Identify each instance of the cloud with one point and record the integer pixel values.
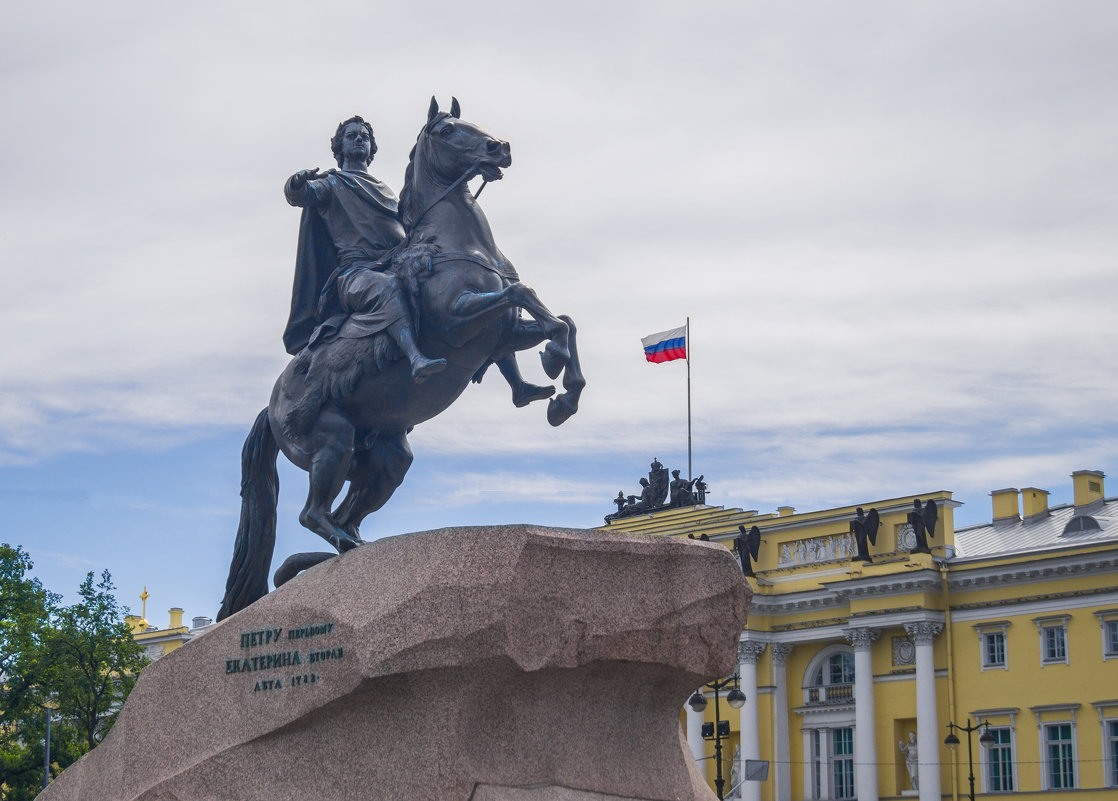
(501, 486)
(888, 220)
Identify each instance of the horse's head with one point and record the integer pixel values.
(448, 152)
(452, 147)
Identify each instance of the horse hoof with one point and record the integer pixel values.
(527, 393)
(554, 358)
(559, 410)
(346, 543)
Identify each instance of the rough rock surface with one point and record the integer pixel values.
(512, 663)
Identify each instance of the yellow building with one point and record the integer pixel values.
(158, 642)
(852, 671)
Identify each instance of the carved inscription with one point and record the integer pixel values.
(282, 649)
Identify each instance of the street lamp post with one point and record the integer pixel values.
(720, 728)
(952, 742)
(46, 751)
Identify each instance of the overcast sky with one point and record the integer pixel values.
(892, 224)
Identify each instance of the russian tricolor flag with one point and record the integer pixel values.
(666, 346)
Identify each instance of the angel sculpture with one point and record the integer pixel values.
(864, 527)
(748, 547)
(923, 522)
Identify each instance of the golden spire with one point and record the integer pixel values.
(144, 614)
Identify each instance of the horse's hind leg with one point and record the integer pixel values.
(376, 474)
(331, 447)
(523, 392)
(526, 334)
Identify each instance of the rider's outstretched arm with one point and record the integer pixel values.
(305, 188)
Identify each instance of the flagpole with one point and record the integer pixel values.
(688, 341)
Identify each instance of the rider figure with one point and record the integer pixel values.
(349, 224)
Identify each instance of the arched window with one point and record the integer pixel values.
(830, 677)
(838, 669)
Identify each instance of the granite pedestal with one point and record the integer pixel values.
(513, 663)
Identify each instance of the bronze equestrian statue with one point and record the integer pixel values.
(398, 306)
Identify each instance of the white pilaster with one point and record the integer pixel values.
(748, 726)
(809, 766)
(826, 741)
(865, 721)
(781, 771)
(927, 718)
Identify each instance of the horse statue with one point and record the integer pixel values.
(468, 302)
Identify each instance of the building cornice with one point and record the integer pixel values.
(892, 584)
(964, 577)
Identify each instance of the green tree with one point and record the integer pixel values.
(93, 660)
(80, 660)
(25, 612)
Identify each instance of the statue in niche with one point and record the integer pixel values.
(923, 522)
(911, 760)
(735, 773)
(864, 527)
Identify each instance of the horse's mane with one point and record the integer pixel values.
(408, 210)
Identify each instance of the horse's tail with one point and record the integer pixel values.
(256, 534)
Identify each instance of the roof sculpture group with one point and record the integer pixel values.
(864, 526)
(398, 304)
(658, 492)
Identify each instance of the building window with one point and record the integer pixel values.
(999, 761)
(1055, 644)
(1053, 639)
(840, 669)
(842, 762)
(992, 644)
(1112, 751)
(833, 680)
(1108, 620)
(993, 649)
(1060, 755)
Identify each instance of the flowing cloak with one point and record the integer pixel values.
(317, 256)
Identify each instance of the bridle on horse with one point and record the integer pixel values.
(470, 170)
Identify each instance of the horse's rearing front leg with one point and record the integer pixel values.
(473, 305)
(556, 353)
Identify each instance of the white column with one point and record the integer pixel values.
(927, 718)
(750, 734)
(865, 721)
(695, 736)
(781, 771)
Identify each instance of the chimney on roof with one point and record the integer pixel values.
(1035, 502)
(1088, 486)
(1006, 505)
(176, 617)
(785, 511)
